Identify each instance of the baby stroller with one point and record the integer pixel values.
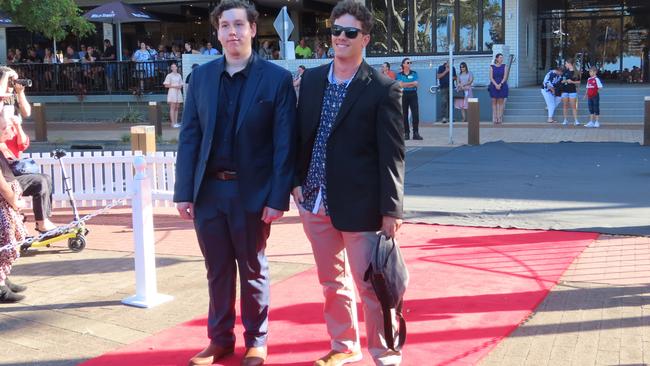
(76, 235)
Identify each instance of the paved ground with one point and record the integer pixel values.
(599, 315)
(73, 311)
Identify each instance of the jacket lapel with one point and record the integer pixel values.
(249, 90)
(214, 85)
(355, 89)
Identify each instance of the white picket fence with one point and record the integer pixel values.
(99, 177)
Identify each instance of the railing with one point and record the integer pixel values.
(99, 177)
(99, 77)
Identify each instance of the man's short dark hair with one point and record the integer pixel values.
(357, 10)
(387, 65)
(251, 12)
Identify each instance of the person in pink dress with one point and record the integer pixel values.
(174, 83)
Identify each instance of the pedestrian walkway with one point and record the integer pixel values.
(597, 315)
(73, 311)
(434, 134)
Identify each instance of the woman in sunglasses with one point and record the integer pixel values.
(465, 81)
(409, 82)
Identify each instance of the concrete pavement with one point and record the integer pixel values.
(598, 315)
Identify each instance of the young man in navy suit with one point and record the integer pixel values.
(233, 176)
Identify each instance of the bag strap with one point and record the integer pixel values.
(388, 327)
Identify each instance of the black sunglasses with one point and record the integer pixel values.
(350, 32)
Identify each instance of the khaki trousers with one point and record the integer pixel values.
(341, 260)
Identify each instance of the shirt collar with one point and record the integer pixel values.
(332, 80)
(246, 69)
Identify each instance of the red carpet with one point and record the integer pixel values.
(470, 287)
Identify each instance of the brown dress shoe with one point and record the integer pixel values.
(210, 354)
(336, 358)
(255, 356)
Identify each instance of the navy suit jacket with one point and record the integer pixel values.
(264, 140)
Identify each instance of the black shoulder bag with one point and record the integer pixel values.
(389, 278)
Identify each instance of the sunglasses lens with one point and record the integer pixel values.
(351, 33)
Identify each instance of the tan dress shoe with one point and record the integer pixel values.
(336, 358)
(210, 354)
(255, 356)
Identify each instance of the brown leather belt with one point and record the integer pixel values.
(223, 175)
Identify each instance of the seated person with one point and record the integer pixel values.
(38, 186)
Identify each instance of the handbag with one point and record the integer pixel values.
(389, 277)
(459, 94)
(24, 166)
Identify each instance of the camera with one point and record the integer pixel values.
(24, 82)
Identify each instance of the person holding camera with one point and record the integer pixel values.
(37, 185)
(12, 229)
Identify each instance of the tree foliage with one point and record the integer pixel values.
(52, 18)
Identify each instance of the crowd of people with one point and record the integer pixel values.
(560, 86)
(271, 51)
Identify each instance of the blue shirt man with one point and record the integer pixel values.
(408, 78)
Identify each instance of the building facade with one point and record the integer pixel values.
(609, 34)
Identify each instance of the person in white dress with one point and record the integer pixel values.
(174, 84)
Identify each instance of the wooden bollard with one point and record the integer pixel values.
(155, 117)
(473, 118)
(143, 139)
(38, 111)
(646, 122)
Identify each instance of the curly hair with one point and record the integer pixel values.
(251, 12)
(357, 10)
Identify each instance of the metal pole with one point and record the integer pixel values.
(450, 36)
(119, 41)
(285, 33)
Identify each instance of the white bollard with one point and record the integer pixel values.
(146, 295)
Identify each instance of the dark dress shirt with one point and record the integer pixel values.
(222, 156)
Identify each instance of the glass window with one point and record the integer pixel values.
(399, 20)
(468, 25)
(420, 26)
(424, 26)
(445, 7)
(379, 36)
(492, 23)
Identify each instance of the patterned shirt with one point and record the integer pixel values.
(314, 187)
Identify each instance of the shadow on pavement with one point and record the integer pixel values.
(562, 186)
(88, 266)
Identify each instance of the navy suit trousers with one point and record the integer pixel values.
(232, 239)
